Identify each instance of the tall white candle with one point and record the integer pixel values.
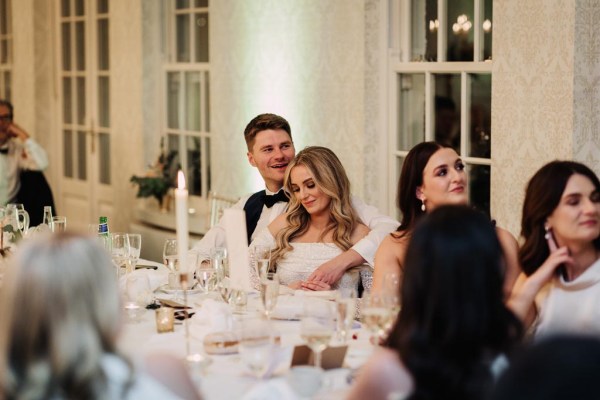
(181, 213)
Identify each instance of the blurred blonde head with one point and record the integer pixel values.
(59, 314)
(330, 177)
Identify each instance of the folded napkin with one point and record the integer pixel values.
(321, 294)
(288, 307)
(213, 316)
(156, 278)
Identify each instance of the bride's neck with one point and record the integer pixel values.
(319, 221)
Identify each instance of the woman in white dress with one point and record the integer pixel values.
(560, 287)
(60, 317)
(320, 222)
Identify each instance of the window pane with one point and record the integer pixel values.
(81, 99)
(201, 3)
(447, 110)
(103, 53)
(103, 102)
(399, 163)
(3, 18)
(80, 45)
(460, 31)
(102, 6)
(182, 27)
(173, 154)
(425, 26)
(487, 29)
(104, 158)
(412, 110)
(79, 7)
(3, 51)
(201, 27)
(192, 94)
(180, 4)
(67, 101)
(206, 153)
(481, 116)
(68, 153)
(81, 155)
(65, 8)
(193, 176)
(173, 90)
(66, 46)
(479, 187)
(7, 85)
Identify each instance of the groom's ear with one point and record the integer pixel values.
(251, 159)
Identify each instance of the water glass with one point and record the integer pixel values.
(135, 247)
(205, 277)
(219, 262)
(317, 325)
(59, 224)
(255, 346)
(138, 290)
(269, 290)
(119, 251)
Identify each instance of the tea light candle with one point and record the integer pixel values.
(165, 320)
(133, 310)
(181, 213)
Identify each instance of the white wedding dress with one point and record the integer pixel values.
(304, 258)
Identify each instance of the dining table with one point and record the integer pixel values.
(226, 376)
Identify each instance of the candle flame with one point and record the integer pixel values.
(180, 180)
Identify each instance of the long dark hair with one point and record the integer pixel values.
(542, 196)
(453, 321)
(411, 177)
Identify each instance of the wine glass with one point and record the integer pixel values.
(269, 290)
(375, 315)
(345, 304)
(204, 276)
(170, 254)
(255, 346)
(218, 261)
(317, 326)
(135, 246)
(262, 258)
(119, 251)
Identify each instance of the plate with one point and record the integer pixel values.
(167, 290)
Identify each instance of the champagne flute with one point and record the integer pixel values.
(218, 261)
(119, 251)
(375, 315)
(262, 258)
(135, 246)
(317, 326)
(346, 310)
(171, 254)
(269, 290)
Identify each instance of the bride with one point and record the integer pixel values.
(320, 223)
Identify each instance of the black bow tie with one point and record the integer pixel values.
(270, 200)
(3, 150)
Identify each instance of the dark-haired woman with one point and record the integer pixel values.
(560, 225)
(454, 329)
(432, 175)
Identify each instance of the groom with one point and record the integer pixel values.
(270, 149)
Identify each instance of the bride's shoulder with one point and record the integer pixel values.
(359, 232)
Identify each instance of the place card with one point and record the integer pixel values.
(332, 357)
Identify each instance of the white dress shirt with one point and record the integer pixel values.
(21, 155)
(379, 224)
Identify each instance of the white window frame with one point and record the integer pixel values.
(399, 63)
(171, 65)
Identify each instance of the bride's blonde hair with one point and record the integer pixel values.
(330, 177)
(59, 314)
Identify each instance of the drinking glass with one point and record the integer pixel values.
(170, 254)
(269, 290)
(205, 278)
(255, 346)
(391, 297)
(225, 291)
(119, 251)
(23, 217)
(59, 224)
(135, 246)
(375, 315)
(261, 257)
(138, 289)
(218, 261)
(317, 326)
(345, 304)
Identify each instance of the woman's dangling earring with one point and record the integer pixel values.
(423, 208)
(547, 235)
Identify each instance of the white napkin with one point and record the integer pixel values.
(274, 389)
(288, 307)
(321, 294)
(213, 316)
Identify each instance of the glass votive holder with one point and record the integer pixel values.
(165, 320)
(133, 311)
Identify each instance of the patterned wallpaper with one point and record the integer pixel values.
(544, 96)
(302, 60)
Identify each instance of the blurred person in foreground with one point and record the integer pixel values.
(454, 332)
(59, 323)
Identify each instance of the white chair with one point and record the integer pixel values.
(217, 204)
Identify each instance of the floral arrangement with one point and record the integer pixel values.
(159, 178)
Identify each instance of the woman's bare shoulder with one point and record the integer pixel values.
(359, 232)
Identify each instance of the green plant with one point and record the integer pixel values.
(159, 179)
